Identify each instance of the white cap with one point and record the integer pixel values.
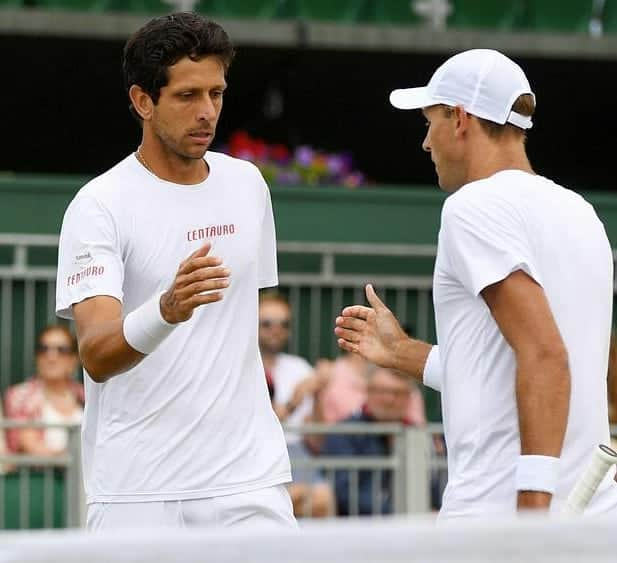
(483, 81)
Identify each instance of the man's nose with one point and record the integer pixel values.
(207, 111)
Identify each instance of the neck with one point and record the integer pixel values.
(492, 157)
(55, 386)
(169, 166)
(268, 359)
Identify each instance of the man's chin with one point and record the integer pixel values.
(200, 152)
(447, 187)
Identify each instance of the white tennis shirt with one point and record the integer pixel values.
(490, 228)
(193, 419)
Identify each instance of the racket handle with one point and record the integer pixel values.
(602, 460)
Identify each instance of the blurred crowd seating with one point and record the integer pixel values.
(575, 16)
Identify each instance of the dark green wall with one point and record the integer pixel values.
(35, 204)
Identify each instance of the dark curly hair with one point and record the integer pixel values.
(163, 41)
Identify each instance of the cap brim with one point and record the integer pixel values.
(411, 98)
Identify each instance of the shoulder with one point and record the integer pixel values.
(103, 189)
(22, 395)
(292, 366)
(233, 164)
(490, 199)
(244, 172)
(294, 361)
(27, 387)
(471, 194)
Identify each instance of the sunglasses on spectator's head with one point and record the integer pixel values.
(62, 350)
(269, 323)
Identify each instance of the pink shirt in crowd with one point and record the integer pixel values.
(345, 394)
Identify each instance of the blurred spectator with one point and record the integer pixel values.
(346, 390)
(387, 400)
(4, 468)
(292, 383)
(50, 396)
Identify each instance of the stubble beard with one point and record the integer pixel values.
(175, 147)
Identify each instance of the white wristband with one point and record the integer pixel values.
(431, 376)
(145, 328)
(537, 473)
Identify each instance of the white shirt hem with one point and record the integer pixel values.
(190, 495)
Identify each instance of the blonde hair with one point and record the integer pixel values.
(524, 104)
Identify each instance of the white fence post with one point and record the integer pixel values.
(75, 494)
(417, 470)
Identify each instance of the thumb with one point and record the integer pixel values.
(201, 251)
(373, 300)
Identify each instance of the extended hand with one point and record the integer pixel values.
(373, 332)
(197, 274)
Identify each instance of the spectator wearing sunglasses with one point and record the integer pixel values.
(51, 396)
(293, 384)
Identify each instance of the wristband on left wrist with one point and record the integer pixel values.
(538, 473)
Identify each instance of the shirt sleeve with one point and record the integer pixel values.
(485, 241)
(89, 256)
(432, 375)
(268, 269)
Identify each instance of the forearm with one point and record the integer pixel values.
(543, 399)
(410, 357)
(109, 344)
(105, 352)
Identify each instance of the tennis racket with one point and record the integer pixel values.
(602, 460)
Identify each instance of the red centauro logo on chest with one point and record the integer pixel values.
(211, 232)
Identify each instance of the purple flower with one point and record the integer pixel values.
(304, 155)
(287, 177)
(335, 164)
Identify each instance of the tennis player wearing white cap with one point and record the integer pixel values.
(523, 292)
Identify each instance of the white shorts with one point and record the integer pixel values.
(269, 507)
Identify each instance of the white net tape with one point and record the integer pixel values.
(376, 541)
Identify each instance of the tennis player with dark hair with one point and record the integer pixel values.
(523, 293)
(160, 263)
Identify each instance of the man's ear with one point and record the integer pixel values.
(461, 120)
(141, 101)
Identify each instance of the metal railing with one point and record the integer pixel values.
(409, 464)
(418, 472)
(27, 295)
(327, 290)
(20, 473)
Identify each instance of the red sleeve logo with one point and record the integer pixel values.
(89, 272)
